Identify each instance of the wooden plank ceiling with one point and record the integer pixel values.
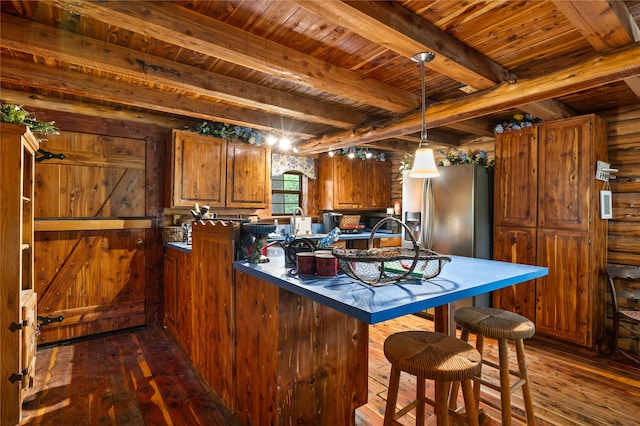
(328, 73)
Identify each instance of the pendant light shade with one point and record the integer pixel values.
(424, 162)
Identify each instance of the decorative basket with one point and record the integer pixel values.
(389, 265)
(349, 220)
(172, 234)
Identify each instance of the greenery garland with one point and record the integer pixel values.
(360, 153)
(15, 114)
(228, 131)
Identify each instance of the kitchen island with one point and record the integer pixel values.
(278, 348)
(301, 341)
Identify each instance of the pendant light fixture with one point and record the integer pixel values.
(424, 163)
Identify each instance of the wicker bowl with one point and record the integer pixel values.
(389, 265)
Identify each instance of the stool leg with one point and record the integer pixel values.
(476, 383)
(470, 403)
(392, 396)
(524, 375)
(505, 388)
(420, 390)
(453, 398)
(442, 409)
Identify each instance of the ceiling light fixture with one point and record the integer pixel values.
(424, 163)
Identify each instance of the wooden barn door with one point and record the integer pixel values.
(90, 234)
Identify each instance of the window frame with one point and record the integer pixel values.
(303, 189)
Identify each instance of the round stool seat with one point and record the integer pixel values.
(434, 356)
(494, 323)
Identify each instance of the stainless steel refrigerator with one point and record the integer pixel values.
(452, 214)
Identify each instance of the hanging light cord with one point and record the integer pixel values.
(423, 58)
(423, 134)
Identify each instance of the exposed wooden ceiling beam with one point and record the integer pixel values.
(39, 76)
(605, 24)
(600, 70)
(72, 107)
(81, 51)
(394, 27)
(476, 126)
(182, 27)
(549, 109)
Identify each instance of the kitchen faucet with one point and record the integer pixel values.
(293, 219)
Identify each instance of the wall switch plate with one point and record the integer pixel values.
(604, 170)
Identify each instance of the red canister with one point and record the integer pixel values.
(306, 262)
(326, 265)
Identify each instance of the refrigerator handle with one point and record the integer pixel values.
(427, 210)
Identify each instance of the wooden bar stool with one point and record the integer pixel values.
(503, 326)
(434, 356)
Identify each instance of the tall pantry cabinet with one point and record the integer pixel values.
(18, 147)
(547, 213)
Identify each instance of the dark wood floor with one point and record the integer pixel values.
(142, 378)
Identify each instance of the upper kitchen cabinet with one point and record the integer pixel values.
(248, 175)
(516, 172)
(216, 172)
(346, 183)
(198, 169)
(377, 184)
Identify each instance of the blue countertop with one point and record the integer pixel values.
(346, 237)
(461, 278)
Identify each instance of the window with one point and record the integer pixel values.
(286, 193)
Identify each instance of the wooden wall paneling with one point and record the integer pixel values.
(314, 360)
(213, 253)
(256, 388)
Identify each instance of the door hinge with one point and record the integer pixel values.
(48, 320)
(17, 377)
(15, 326)
(46, 155)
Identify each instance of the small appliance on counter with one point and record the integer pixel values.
(330, 221)
(388, 227)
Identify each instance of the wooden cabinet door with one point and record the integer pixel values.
(348, 176)
(184, 308)
(567, 171)
(516, 175)
(377, 184)
(516, 245)
(248, 175)
(197, 170)
(563, 305)
(29, 344)
(171, 291)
